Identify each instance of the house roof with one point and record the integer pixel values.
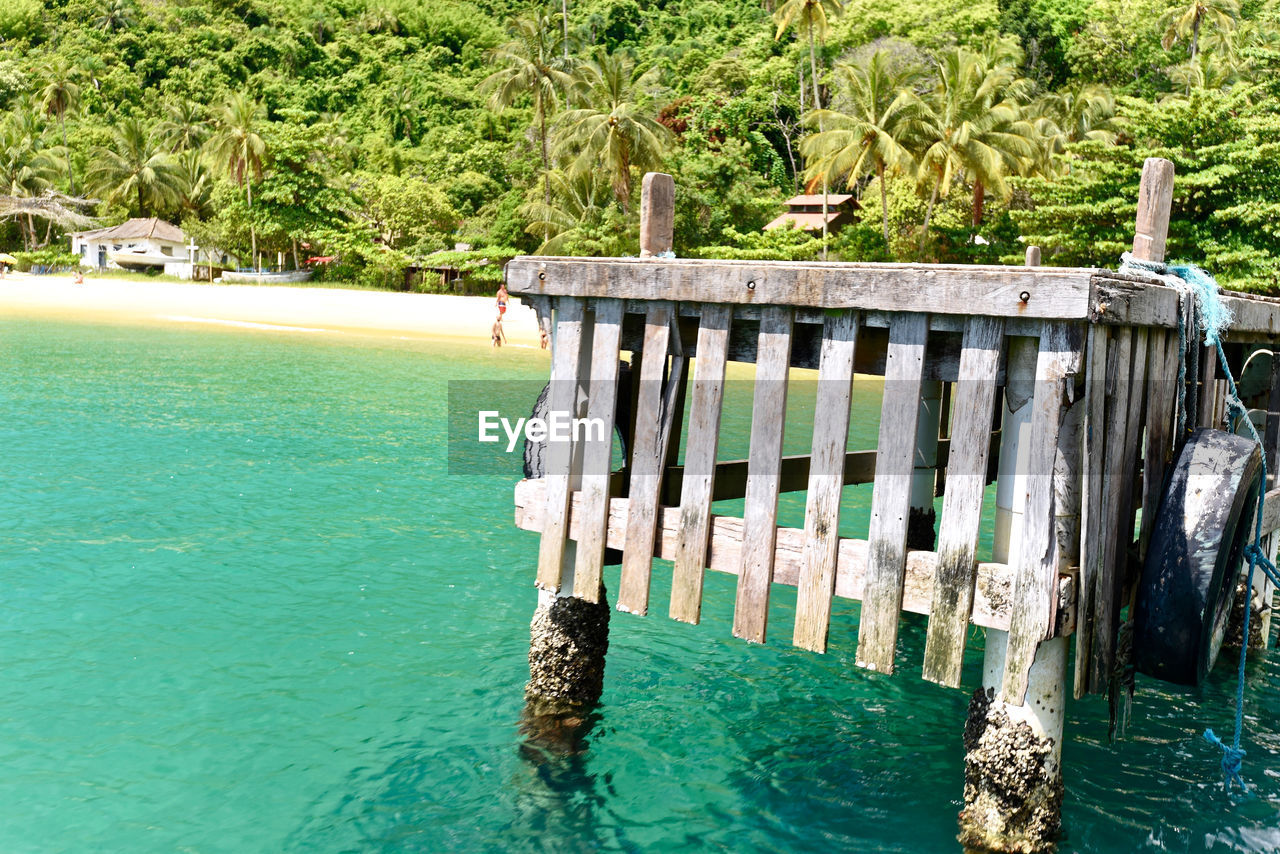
(137, 228)
(833, 199)
(806, 221)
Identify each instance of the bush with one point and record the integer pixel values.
(46, 261)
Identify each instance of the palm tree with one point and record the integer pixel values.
(865, 134)
(971, 128)
(28, 167)
(579, 201)
(1076, 112)
(813, 17)
(239, 150)
(116, 15)
(531, 66)
(185, 126)
(1185, 21)
(197, 184)
(613, 131)
(61, 95)
(135, 169)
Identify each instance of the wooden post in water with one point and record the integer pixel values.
(569, 634)
(1013, 778)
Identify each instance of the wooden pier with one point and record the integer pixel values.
(1059, 384)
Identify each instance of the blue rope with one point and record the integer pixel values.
(1207, 312)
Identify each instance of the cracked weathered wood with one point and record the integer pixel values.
(1036, 564)
(566, 367)
(602, 391)
(817, 579)
(760, 505)
(1092, 512)
(992, 595)
(962, 503)
(705, 404)
(891, 495)
(654, 414)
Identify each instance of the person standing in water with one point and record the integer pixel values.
(496, 334)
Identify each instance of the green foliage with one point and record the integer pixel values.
(20, 20)
(49, 260)
(380, 131)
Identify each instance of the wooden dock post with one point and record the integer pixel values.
(569, 633)
(1013, 778)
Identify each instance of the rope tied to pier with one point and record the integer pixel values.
(1205, 312)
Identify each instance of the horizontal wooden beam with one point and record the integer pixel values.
(992, 596)
(1271, 511)
(1052, 293)
(1057, 293)
(859, 467)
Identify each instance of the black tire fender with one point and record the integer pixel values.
(1195, 556)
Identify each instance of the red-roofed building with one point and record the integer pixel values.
(805, 212)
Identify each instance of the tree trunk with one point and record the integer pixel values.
(546, 168)
(979, 201)
(296, 265)
(142, 210)
(884, 203)
(253, 231)
(564, 13)
(71, 180)
(1195, 36)
(928, 213)
(817, 105)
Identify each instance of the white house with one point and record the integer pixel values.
(142, 244)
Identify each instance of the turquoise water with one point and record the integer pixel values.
(247, 609)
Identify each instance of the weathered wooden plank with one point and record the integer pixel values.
(1036, 567)
(1271, 444)
(891, 496)
(1106, 593)
(962, 504)
(1155, 201)
(817, 578)
(653, 426)
(1133, 438)
(565, 366)
(991, 603)
(1162, 376)
(760, 508)
(1051, 292)
(1207, 402)
(700, 458)
(1092, 511)
(657, 213)
(588, 573)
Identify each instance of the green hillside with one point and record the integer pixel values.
(378, 132)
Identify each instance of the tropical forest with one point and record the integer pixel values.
(388, 136)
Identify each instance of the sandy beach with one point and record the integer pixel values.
(279, 309)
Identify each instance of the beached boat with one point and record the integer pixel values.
(287, 277)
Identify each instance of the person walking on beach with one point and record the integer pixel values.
(502, 301)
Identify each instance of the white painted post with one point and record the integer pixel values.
(994, 734)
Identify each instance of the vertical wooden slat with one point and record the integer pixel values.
(1272, 441)
(1092, 511)
(700, 461)
(1208, 400)
(891, 495)
(1035, 584)
(1133, 443)
(962, 505)
(826, 478)
(648, 453)
(1161, 376)
(597, 450)
(1106, 599)
(565, 371)
(764, 464)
